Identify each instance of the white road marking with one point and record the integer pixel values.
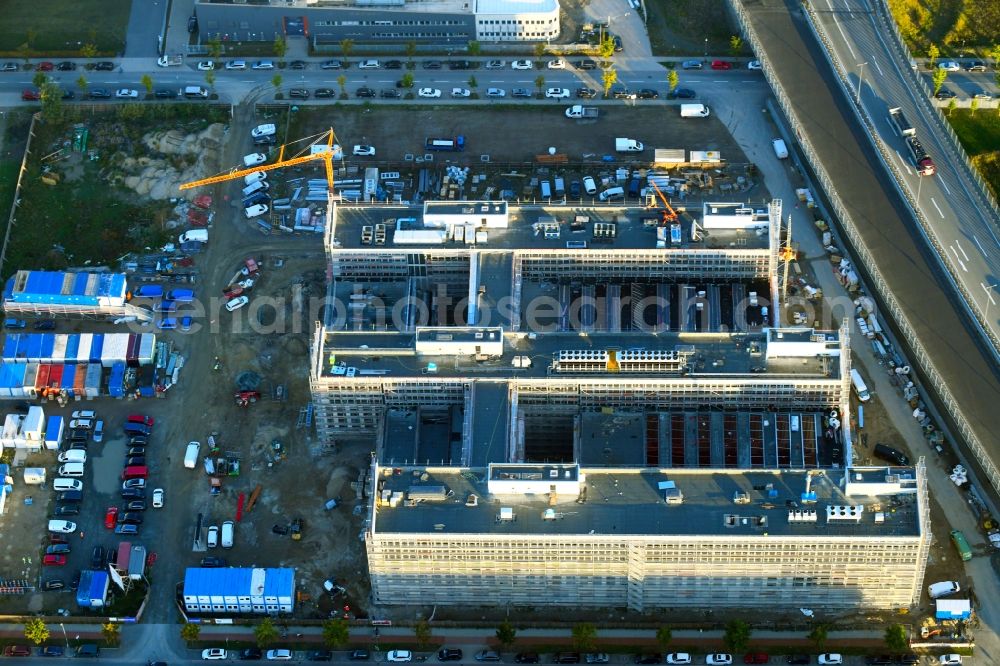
(847, 42)
(875, 62)
(981, 249)
(959, 246)
(945, 186)
(848, 8)
(958, 258)
(938, 209)
(902, 163)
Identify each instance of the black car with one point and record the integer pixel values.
(880, 660)
(976, 66)
(390, 93)
(213, 562)
(251, 654)
(138, 440)
(66, 510)
(164, 93)
(324, 93)
(520, 92)
(526, 658)
(133, 493)
(586, 64)
(100, 93)
(266, 140)
(66, 66)
(97, 557)
(70, 496)
(449, 654)
(798, 659)
(105, 66)
(586, 93)
(331, 64)
(648, 93)
(136, 505)
(681, 93)
(459, 64)
(432, 64)
(58, 549)
(298, 93)
(54, 584)
(74, 584)
(136, 451)
(297, 64)
(79, 433)
(621, 92)
(130, 518)
(44, 325)
(133, 461)
(319, 655)
(51, 651)
(364, 92)
(393, 64)
(359, 655)
(647, 658)
(574, 189)
(618, 43)
(78, 445)
(944, 93)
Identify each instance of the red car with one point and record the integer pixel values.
(111, 517)
(756, 658)
(141, 418)
(54, 560)
(233, 292)
(17, 651)
(30, 95)
(44, 66)
(721, 64)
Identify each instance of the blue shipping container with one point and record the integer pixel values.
(96, 347)
(72, 347)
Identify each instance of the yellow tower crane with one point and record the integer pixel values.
(667, 213)
(320, 147)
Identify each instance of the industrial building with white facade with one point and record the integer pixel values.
(595, 406)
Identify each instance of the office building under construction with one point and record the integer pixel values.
(539, 386)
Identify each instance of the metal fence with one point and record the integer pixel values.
(16, 202)
(878, 281)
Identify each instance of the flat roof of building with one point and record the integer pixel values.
(393, 354)
(525, 230)
(515, 6)
(631, 502)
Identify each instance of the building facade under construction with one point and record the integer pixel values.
(623, 347)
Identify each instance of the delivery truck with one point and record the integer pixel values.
(580, 111)
(628, 145)
(455, 144)
(694, 111)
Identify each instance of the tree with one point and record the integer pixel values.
(346, 46)
(111, 632)
(422, 632)
(584, 636)
(411, 49)
(474, 48)
(735, 45)
(88, 51)
(673, 79)
(506, 633)
(335, 633)
(994, 54)
(81, 83)
(39, 79)
(938, 79)
(214, 47)
(606, 48)
(147, 83)
(36, 631)
(818, 636)
(952, 105)
(473, 83)
(896, 639)
(540, 83)
(280, 46)
(932, 54)
(265, 633)
(663, 637)
(190, 632)
(407, 80)
(210, 79)
(737, 635)
(51, 98)
(608, 79)
(276, 82)
(974, 105)
(539, 49)
(342, 82)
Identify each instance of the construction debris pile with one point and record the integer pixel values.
(160, 177)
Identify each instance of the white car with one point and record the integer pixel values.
(399, 655)
(831, 658)
(496, 92)
(679, 658)
(521, 64)
(83, 424)
(213, 536)
(62, 526)
(126, 93)
(557, 93)
(214, 653)
(252, 178)
(253, 159)
(949, 66)
(237, 303)
(363, 150)
(429, 92)
(158, 498)
(263, 130)
(206, 65)
(754, 64)
(950, 659)
(719, 659)
(558, 63)
(84, 414)
(264, 64)
(236, 64)
(461, 92)
(255, 210)
(278, 655)
(368, 64)
(589, 186)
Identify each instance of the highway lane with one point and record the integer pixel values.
(951, 202)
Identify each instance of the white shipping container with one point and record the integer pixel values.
(147, 346)
(83, 351)
(59, 348)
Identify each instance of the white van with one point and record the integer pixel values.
(263, 130)
(191, 455)
(780, 149)
(859, 386)
(612, 194)
(71, 469)
(195, 92)
(252, 178)
(73, 455)
(199, 235)
(59, 485)
(227, 534)
(943, 588)
(258, 186)
(255, 210)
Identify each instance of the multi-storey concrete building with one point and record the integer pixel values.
(541, 386)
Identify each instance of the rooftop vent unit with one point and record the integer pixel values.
(549, 514)
(506, 515)
(804, 516)
(842, 512)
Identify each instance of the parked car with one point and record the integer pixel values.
(97, 557)
(164, 93)
(949, 66)
(682, 93)
(487, 655)
(599, 658)
(57, 549)
(51, 651)
(679, 658)
(449, 654)
(319, 655)
(756, 658)
(297, 64)
(105, 66)
(692, 64)
(331, 64)
(364, 150)
(364, 92)
(526, 658)
(557, 93)
(324, 93)
(719, 659)
(214, 653)
(52, 585)
(359, 655)
(280, 654)
(206, 65)
(263, 64)
(393, 64)
(522, 64)
(136, 505)
(754, 65)
(520, 92)
(721, 64)
(158, 498)
(298, 93)
(496, 93)
(830, 658)
(648, 93)
(100, 93)
(54, 560)
(428, 92)
(251, 654)
(17, 651)
(976, 66)
(432, 64)
(64, 510)
(495, 64)
(44, 66)
(127, 93)
(213, 562)
(944, 93)
(399, 655)
(132, 493)
(650, 658)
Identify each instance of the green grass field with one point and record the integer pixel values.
(60, 26)
(680, 27)
(979, 133)
(956, 26)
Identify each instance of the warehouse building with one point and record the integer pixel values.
(597, 407)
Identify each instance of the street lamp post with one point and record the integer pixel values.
(65, 637)
(706, 48)
(986, 304)
(861, 77)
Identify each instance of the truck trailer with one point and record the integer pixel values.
(901, 123)
(455, 144)
(924, 163)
